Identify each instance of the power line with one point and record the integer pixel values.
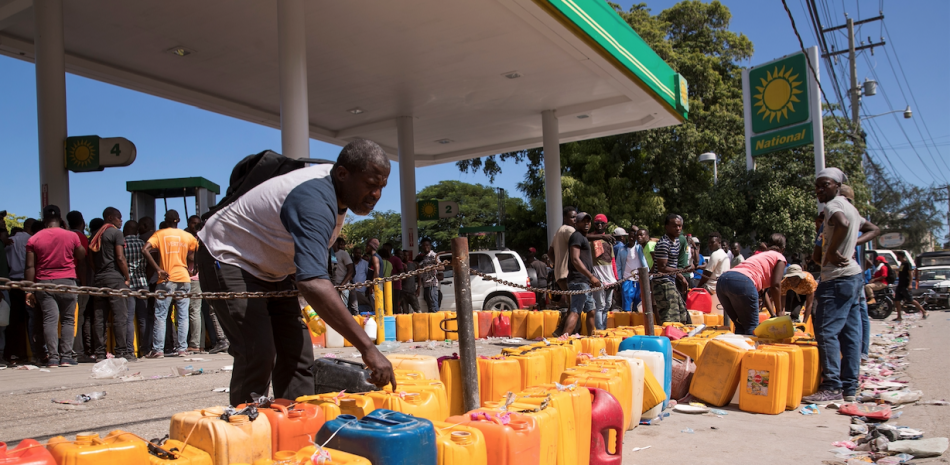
(910, 89)
(877, 130)
(904, 131)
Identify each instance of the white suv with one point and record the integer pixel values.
(489, 295)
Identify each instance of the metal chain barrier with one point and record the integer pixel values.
(555, 291)
(29, 286)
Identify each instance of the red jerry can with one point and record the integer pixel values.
(699, 299)
(606, 417)
(501, 327)
(28, 452)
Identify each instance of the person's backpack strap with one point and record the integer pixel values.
(253, 171)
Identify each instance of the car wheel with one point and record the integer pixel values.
(500, 303)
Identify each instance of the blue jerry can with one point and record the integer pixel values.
(659, 344)
(383, 437)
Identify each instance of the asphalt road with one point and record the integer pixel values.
(144, 407)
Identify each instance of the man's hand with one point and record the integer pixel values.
(31, 299)
(594, 282)
(162, 276)
(381, 367)
(839, 260)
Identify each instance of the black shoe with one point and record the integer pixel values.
(68, 362)
(87, 359)
(173, 353)
(219, 347)
(51, 363)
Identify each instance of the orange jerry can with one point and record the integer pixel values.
(422, 404)
(548, 425)
(612, 344)
(425, 364)
(692, 346)
(717, 373)
(560, 403)
(623, 319)
(404, 328)
(459, 445)
(580, 404)
(534, 368)
(551, 320)
(238, 439)
(811, 369)
(712, 319)
(330, 457)
(764, 382)
(637, 319)
(611, 320)
(534, 327)
(557, 361)
(426, 385)
(606, 378)
(796, 372)
(335, 404)
(517, 442)
(117, 447)
(519, 323)
(497, 376)
(420, 327)
(593, 346)
(435, 331)
(292, 426)
(451, 326)
(408, 375)
(187, 455)
(451, 375)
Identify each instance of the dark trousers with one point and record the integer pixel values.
(138, 315)
(78, 346)
(16, 332)
(268, 338)
(118, 307)
(205, 313)
(89, 340)
(56, 309)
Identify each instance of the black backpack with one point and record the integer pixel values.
(252, 171)
(892, 273)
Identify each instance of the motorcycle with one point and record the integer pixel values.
(883, 305)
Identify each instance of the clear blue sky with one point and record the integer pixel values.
(176, 140)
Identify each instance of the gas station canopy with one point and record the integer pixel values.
(431, 81)
(473, 75)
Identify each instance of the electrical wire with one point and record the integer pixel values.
(904, 131)
(910, 89)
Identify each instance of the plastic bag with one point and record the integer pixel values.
(920, 448)
(110, 368)
(869, 411)
(900, 397)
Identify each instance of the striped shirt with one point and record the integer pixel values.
(666, 248)
(133, 256)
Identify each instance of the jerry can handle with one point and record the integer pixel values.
(444, 329)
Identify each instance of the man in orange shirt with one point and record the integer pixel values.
(176, 249)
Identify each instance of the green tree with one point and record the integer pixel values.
(384, 226)
(13, 221)
(899, 207)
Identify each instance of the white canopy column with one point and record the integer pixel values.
(552, 172)
(407, 183)
(294, 111)
(51, 102)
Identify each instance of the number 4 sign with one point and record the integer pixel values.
(93, 153)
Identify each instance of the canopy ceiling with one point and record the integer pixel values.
(474, 75)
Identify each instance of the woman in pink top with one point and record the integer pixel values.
(738, 289)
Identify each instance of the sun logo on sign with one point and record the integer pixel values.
(430, 209)
(777, 95)
(81, 152)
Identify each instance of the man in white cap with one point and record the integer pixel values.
(837, 315)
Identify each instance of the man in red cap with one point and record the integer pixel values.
(879, 280)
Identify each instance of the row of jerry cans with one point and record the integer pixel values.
(769, 378)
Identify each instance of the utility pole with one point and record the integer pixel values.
(855, 91)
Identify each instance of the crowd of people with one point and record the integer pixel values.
(64, 329)
(582, 258)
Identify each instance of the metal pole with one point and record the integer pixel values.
(466, 325)
(747, 117)
(817, 123)
(292, 56)
(855, 91)
(51, 102)
(646, 297)
(716, 172)
(407, 183)
(552, 172)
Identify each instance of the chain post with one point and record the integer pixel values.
(466, 323)
(645, 297)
